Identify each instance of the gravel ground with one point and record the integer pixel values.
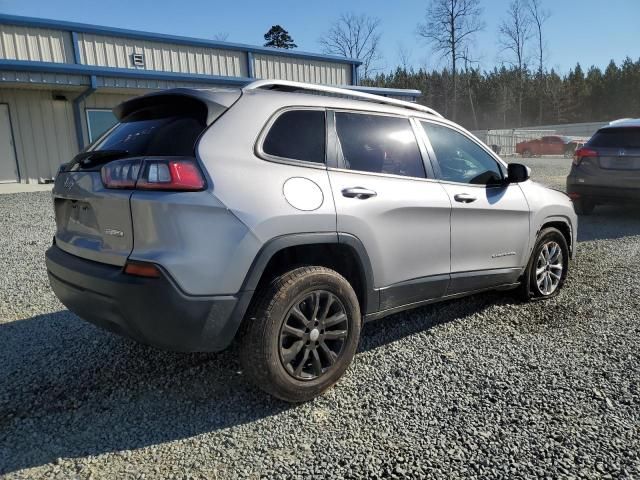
(480, 387)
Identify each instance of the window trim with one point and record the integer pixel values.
(336, 162)
(86, 115)
(259, 144)
(501, 163)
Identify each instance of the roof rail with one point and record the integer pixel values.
(287, 85)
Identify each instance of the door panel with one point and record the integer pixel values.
(383, 197)
(489, 218)
(8, 165)
(489, 232)
(404, 227)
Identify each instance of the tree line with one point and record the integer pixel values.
(521, 91)
(490, 99)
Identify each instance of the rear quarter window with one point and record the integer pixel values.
(297, 135)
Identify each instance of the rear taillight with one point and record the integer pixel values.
(121, 173)
(153, 174)
(583, 153)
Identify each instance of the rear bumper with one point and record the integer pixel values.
(150, 310)
(602, 193)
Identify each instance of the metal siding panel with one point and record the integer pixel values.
(313, 71)
(43, 131)
(162, 56)
(35, 44)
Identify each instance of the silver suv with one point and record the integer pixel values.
(285, 215)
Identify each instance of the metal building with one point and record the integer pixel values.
(60, 80)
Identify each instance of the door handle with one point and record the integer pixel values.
(358, 192)
(464, 198)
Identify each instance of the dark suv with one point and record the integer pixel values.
(607, 168)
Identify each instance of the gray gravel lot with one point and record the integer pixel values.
(480, 387)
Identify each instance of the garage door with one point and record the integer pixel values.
(8, 166)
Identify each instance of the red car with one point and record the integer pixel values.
(549, 145)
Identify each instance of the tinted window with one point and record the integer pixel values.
(460, 159)
(374, 143)
(616, 138)
(298, 135)
(164, 136)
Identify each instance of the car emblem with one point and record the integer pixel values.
(114, 232)
(622, 152)
(68, 183)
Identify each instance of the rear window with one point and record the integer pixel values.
(616, 138)
(161, 130)
(173, 135)
(297, 135)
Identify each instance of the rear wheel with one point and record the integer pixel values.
(527, 153)
(548, 265)
(302, 334)
(584, 206)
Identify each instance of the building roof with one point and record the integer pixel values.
(76, 71)
(161, 37)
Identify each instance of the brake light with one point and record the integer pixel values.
(153, 174)
(583, 153)
(142, 269)
(170, 175)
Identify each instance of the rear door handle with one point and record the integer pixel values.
(358, 192)
(464, 198)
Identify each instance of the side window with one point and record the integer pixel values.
(297, 135)
(379, 144)
(460, 159)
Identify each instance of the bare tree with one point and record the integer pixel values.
(404, 56)
(355, 36)
(539, 17)
(221, 36)
(449, 27)
(515, 31)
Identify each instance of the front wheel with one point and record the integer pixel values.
(301, 334)
(548, 266)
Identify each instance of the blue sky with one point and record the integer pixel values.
(587, 31)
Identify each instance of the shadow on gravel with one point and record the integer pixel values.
(68, 389)
(609, 222)
(387, 330)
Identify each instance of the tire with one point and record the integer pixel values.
(531, 287)
(584, 206)
(283, 350)
(527, 153)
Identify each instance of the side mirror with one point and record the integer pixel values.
(517, 173)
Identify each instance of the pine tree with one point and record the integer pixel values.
(278, 37)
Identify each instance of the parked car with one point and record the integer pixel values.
(607, 168)
(548, 145)
(285, 219)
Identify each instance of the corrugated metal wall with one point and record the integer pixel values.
(35, 44)
(106, 51)
(301, 70)
(43, 131)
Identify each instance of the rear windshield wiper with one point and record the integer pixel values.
(86, 160)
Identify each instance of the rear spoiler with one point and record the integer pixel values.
(216, 101)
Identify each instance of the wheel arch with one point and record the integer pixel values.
(562, 224)
(341, 252)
